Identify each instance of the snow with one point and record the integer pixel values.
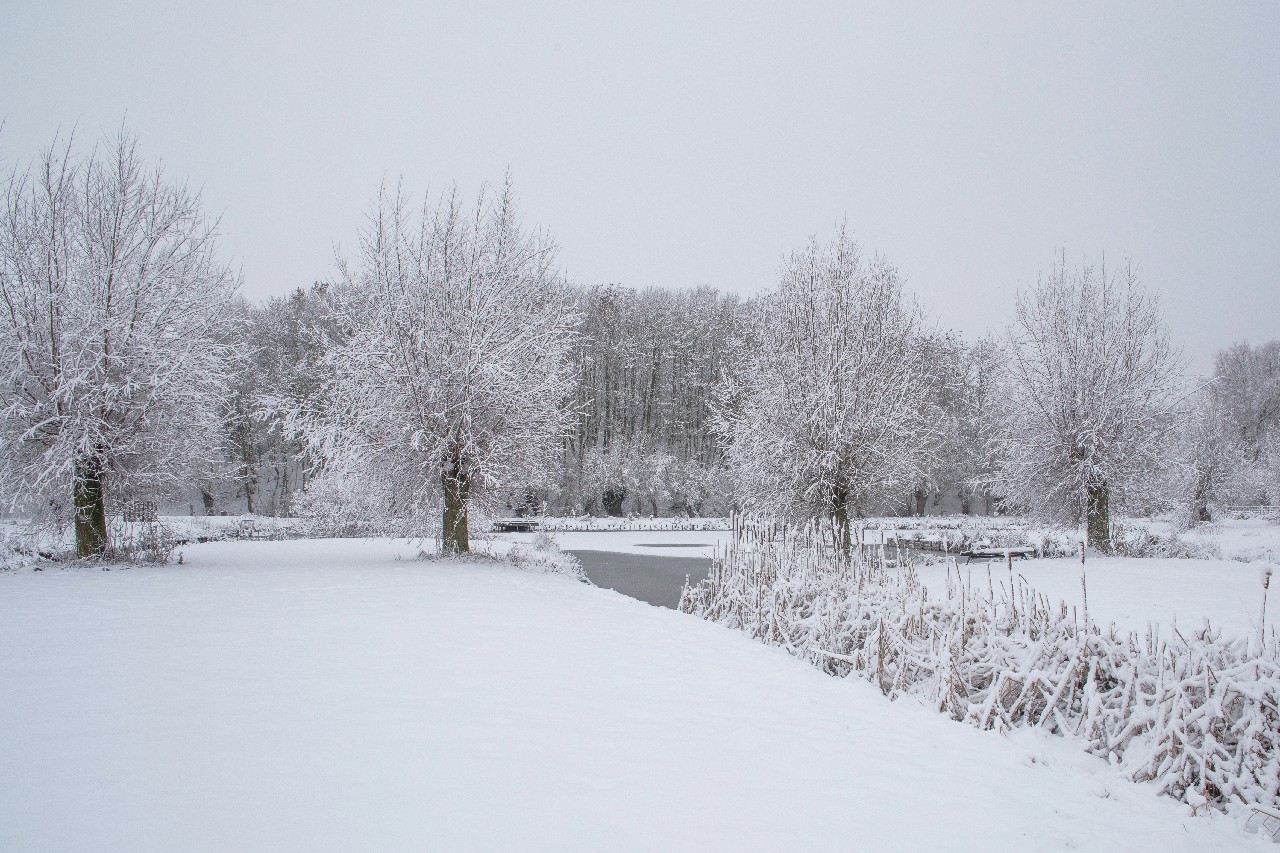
(693, 543)
(1241, 538)
(1129, 591)
(341, 695)
(1133, 592)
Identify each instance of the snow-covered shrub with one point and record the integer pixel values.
(1198, 714)
(543, 556)
(338, 505)
(141, 541)
(1133, 541)
(17, 551)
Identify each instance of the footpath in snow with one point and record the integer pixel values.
(340, 695)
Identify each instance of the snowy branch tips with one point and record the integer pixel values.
(835, 408)
(456, 368)
(1094, 387)
(111, 297)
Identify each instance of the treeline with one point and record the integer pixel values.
(651, 369)
(449, 364)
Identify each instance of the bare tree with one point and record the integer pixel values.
(111, 295)
(456, 370)
(1093, 385)
(835, 410)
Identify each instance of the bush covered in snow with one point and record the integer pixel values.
(541, 556)
(17, 551)
(1136, 541)
(339, 506)
(1197, 713)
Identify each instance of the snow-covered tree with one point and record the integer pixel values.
(277, 349)
(456, 369)
(835, 410)
(1246, 391)
(1206, 455)
(1093, 385)
(1247, 387)
(111, 298)
(977, 402)
(647, 363)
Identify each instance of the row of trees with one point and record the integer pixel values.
(449, 362)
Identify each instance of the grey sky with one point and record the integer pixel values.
(695, 143)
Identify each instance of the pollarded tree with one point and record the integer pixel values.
(111, 296)
(1093, 388)
(835, 410)
(456, 369)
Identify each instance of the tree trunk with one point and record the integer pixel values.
(921, 500)
(840, 519)
(457, 488)
(90, 508)
(1098, 516)
(612, 500)
(1200, 499)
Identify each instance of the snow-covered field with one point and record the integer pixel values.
(340, 695)
(1134, 592)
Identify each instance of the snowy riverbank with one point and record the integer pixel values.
(339, 695)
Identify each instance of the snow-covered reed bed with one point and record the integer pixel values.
(1196, 712)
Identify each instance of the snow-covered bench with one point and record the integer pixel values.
(1021, 553)
(515, 525)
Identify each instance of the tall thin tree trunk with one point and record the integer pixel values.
(286, 508)
(1200, 499)
(1098, 516)
(90, 508)
(457, 488)
(840, 518)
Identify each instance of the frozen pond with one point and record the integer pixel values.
(654, 578)
(650, 565)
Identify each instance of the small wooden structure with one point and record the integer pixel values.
(1256, 511)
(1024, 552)
(515, 525)
(140, 511)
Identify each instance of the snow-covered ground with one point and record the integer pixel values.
(1241, 538)
(1133, 592)
(340, 695)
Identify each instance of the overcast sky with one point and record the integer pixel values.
(696, 143)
